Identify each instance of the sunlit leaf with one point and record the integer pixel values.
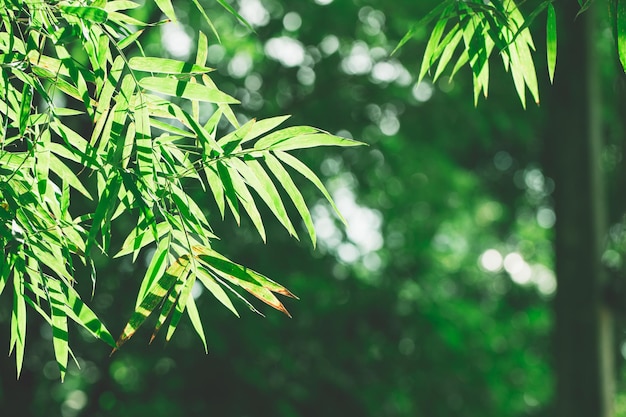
(551, 41)
(60, 338)
(287, 183)
(166, 66)
(185, 89)
(620, 21)
(92, 14)
(167, 8)
(153, 298)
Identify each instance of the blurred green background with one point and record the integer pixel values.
(435, 301)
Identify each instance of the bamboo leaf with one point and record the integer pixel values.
(310, 175)
(18, 318)
(424, 21)
(257, 178)
(207, 19)
(552, 42)
(620, 21)
(244, 196)
(215, 184)
(92, 14)
(60, 339)
(83, 315)
(218, 292)
(239, 275)
(185, 89)
(287, 183)
(167, 9)
(170, 302)
(166, 66)
(152, 299)
(181, 304)
(196, 322)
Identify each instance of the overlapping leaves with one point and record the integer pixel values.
(156, 134)
(477, 29)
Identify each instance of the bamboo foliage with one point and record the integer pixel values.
(476, 29)
(148, 144)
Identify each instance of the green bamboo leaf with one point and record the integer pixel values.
(18, 316)
(171, 300)
(103, 214)
(165, 66)
(196, 322)
(528, 69)
(431, 47)
(153, 298)
(257, 178)
(188, 206)
(263, 126)
(310, 175)
(185, 89)
(129, 40)
(156, 268)
(139, 238)
(230, 142)
(83, 315)
(287, 183)
(425, 20)
(551, 41)
(620, 21)
(224, 108)
(167, 9)
(117, 5)
(67, 174)
(218, 292)
(229, 190)
(291, 138)
(239, 275)
(517, 74)
(206, 18)
(6, 269)
(25, 107)
(42, 161)
(232, 11)
(215, 184)
(203, 49)
(181, 304)
(60, 339)
(92, 14)
(243, 195)
(446, 54)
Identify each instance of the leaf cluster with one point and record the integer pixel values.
(479, 28)
(155, 131)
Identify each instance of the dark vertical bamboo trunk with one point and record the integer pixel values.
(583, 335)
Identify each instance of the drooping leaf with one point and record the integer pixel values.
(167, 9)
(287, 183)
(153, 298)
(551, 41)
(310, 175)
(60, 338)
(620, 21)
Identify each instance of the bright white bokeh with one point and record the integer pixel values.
(292, 21)
(240, 65)
(176, 41)
(254, 12)
(286, 50)
(358, 61)
(491, 260)
(422, 91)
